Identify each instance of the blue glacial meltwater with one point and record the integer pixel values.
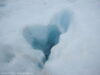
(45, 37)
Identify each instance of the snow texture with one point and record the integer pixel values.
(75, 24)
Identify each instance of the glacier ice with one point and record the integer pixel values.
(42, 37)
(45, 37)
(62, 20)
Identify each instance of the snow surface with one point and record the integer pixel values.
(77, 52)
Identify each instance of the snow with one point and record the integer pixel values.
(78, 50)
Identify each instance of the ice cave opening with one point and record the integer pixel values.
(43, 37)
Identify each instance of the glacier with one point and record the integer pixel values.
(76, 50)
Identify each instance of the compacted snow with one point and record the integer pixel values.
(49, 37)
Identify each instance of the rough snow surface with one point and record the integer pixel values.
(78, 50)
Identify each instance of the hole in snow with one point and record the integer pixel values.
(42, 37)
(45, 37)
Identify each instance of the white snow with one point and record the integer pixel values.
(77, 52)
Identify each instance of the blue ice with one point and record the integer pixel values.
(45, 37)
